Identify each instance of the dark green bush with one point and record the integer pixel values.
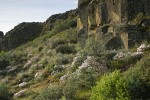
(66, 49)
(111, 87)
(4, 62)
(57, 43)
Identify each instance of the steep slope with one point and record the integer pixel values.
(59, 65)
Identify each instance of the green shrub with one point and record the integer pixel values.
(77, 82)
(62, 60)
(110, 87)
(66, 49)
(93, 47)
(57, 42)
(4, 95)
(87, 78)
(51, 93)
(70, 88)
(4, 62)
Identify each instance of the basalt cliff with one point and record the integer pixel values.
(117, 22)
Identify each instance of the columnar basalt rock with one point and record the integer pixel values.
(95, 14)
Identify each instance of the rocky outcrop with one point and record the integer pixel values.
(49, 24)
(120, 17)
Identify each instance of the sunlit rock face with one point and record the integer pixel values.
(94, 14)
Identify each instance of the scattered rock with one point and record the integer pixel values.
(137, 54)
(20, 93)
(31, 61)
(12, 70)
(8, 67)
(30, 55)
(35, 59)
(63, 78)
(39, 74)
(23, 84)
(28, 64)
(141, 48)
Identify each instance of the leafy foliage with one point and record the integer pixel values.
(110, 87)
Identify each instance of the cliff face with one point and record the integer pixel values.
(93, 14)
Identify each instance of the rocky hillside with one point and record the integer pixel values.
(25, 32)
(73, 59)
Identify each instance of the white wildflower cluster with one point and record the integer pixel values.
(121, 55)
(87, 63)
(64, 78)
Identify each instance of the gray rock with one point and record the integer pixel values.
(20, 93)
(23, 84)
